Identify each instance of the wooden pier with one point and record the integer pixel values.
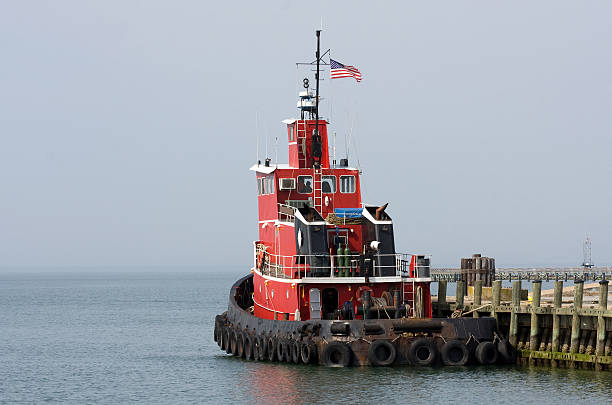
(544, 328)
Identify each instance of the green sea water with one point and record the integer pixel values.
(120, 336)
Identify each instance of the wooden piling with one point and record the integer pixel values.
(477, 296)
(460, 293)
(578, 292)
(601, 322)
(516, 302)
(495, 297)
(535, 329)
(557, 296)
(442, 292)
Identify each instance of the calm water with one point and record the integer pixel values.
(147, 337)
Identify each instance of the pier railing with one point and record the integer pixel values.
(532, 274)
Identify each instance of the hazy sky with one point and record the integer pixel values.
(127, 128)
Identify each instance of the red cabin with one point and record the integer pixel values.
(321, 251)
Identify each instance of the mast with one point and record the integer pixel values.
(316, 140)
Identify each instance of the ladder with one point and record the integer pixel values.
(408, 295)
(301, 143)
(317, 191)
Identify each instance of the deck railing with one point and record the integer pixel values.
(340, 266)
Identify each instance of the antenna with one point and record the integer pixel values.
(257, 135)
(334, 160)
(587, 263)
(316, 139)
(276, 151)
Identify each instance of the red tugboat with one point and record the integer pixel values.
(327, 284)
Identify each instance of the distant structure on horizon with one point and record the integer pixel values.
(587, 261)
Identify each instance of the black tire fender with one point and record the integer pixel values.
(227, 340)
(336, 354)
(240, 344)
(234, 342)
(295, 351)
(260, 344)
(486, 353)
(248, 347)
(381, 353)
(454, 353)
(506, 351)
(281, 350)
(308, 352)
(271, 346)
(422, 352)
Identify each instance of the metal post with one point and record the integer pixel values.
(535, 329)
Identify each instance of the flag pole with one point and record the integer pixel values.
(316, 139)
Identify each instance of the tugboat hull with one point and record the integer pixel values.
(369, 342)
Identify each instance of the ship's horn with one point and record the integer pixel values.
(380, 210)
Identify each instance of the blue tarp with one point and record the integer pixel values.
(348, 212)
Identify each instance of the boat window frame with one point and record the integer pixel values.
(354, 184)
(335, 188)
(297, 186)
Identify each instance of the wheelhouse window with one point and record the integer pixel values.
(291, 139)
(347, 184)
(259, 185)
(304, 184)
(271, 185)
(328, 184)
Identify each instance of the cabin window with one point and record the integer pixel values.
(263, 185)
(328, 184)
(259, 186)
(291, 134)
(347, 184)
(304, 184)
(271, 185)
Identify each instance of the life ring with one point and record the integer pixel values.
(486, 353)
(454, 353)
(381, 353)
(422, 352)
(336, 354)
(360, 291)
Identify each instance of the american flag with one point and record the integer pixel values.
(338, 70)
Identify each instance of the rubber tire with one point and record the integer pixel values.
(271, 346)
(282, 351)
(295, 351)
(248, 347)
(506, 351)
(417, 349)
(451, 349)
(234, 342)
(308, 353)
(336, 354)
(486, 353)
(240, 344)
(260, 344)
(227, 340)
(381, 353)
